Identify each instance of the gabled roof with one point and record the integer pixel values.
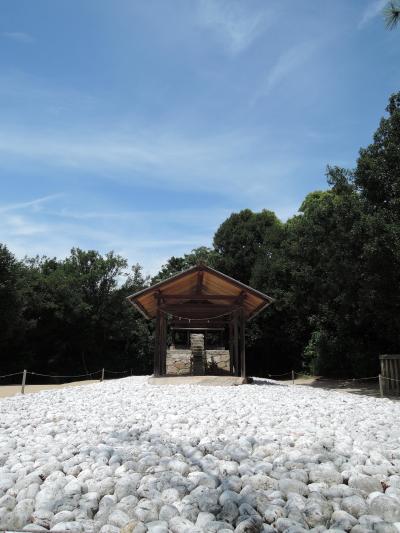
(201, 285)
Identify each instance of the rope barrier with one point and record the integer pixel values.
(66, 376)
(365, 379)
(8, 375)
(343, 379)
(53, 376)
(390, 379)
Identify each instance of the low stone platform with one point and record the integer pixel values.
(224, 381)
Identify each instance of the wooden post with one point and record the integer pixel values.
(163, 344)
(23, 382)
(156, 369)
(380, 385)
(242, 344)
(292, 377)
(236, 343)
(231, 359)
(102, 375)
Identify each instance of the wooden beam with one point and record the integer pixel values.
(197, 309)
(196, 328)
(193, 296)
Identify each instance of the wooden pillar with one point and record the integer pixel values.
(236, 343)
(156, 370)
(231, 354)
(242, 344)
(163, 344)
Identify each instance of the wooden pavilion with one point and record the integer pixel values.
(201, 299)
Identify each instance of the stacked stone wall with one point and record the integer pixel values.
(179, 362)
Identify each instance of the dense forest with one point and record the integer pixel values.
(333, 269)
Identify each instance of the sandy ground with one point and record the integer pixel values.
(12, 390)
(363, 388)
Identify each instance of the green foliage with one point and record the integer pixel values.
(174, 265)
(10, 302)
(242, 238)
(75, 317)
(392, 14)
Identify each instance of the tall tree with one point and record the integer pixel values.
(242, 238)
(11, 306)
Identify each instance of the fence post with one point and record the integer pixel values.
(23, 382)
(292, 377)
(102, 375)
(381, 385)
(131, 371)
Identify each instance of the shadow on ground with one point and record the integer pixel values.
(353, 386)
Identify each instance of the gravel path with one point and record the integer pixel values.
(125, 456)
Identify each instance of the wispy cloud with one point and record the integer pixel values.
(233, 22)
(290, 61)
(235, 164)
(18, 36)
(149, 238)
(34, 204)
(372, 10)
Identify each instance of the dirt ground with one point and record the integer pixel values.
(11, 390)
(352, 386)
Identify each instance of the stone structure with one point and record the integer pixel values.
(198, 356)
(197, 361)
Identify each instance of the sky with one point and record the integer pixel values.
(139, 126)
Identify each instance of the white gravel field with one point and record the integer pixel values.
(125, 456)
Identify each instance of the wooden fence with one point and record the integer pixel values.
(390, 374)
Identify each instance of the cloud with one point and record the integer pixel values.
(147, 237)
(232, 22)
(234, 164)
(35, 204)
(372, 10)
(287, 63)
(18, 36)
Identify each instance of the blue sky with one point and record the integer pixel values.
(140, 126)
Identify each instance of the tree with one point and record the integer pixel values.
(392, 14)
(10, 307)
(81, 319)
(174, 265)
(242, 238)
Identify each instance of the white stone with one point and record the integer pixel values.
(70, 527)
(365, 483)
(292, 485)
(118, 518)
(386, 508)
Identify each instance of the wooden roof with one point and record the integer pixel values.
(199, 293)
